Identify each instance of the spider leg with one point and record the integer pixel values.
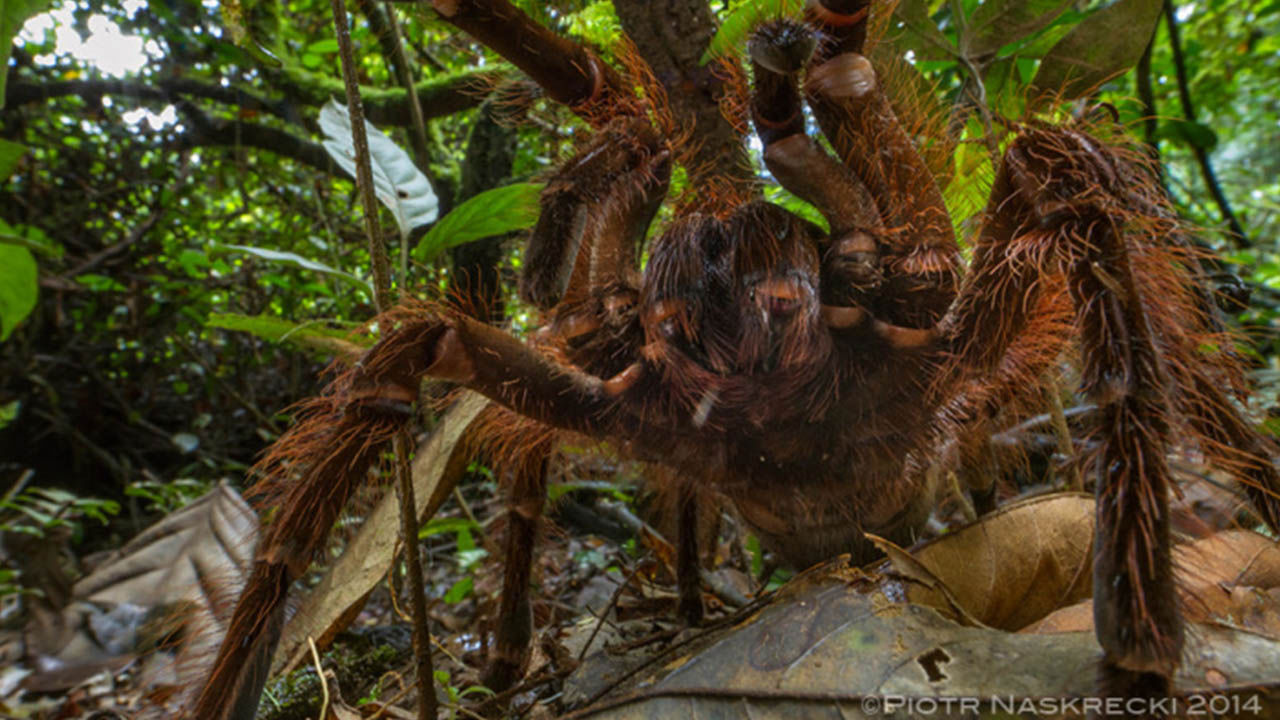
(1030, 231)
(569, 73)
(581, 263)
(1064, 202)
(312, 471)
(525, 483)
(851, 273)
(1229, 443)
(919, 255)
(595, 211)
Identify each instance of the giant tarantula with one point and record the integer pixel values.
(805, 374)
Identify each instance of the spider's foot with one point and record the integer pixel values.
(782, 46)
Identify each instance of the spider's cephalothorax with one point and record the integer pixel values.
(808, 375)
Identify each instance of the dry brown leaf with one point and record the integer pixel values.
(181, 571)
(331, 605)
(205, 544)
(1016, 565)
(1230, 558)
(831, 641)
(925, 586)
(1227, 579)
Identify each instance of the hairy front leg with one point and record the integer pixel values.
(1056, 208)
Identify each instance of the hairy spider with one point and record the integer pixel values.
(807, 375)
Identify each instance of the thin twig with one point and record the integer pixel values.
(1062, 432)
(324, 682)
(613, 602)
(427, 705)
(1237, 235)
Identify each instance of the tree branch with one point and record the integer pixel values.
(438, 97)
(1238, 238)
(671, 36)
(209, 131)
(22, 93)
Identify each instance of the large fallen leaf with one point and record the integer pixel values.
(331, 605)
(1230, 579)
(1015, 565)
(841, 645)
(837, 641)
(183, 570)
(209, 541)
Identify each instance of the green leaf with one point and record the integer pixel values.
(327, 45)
(29, 237)
(397, 182)
(913, 29)
(17, 287)
(459, 590)
(441, 525)
(493, 212)
(9, 412)
(1192, 134)
(10, 152)
(297, 261)
(741, 20)
(100, 283)
(996, 23)
(1102, 46)
(13, 14)
(310, 336)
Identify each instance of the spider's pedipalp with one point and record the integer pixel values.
(919, 255)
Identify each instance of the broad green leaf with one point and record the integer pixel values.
(396, 180)
(297, 261)
(10, 152)
(29, 237)
(996, 23)
(17, 287)
(493, 212)
(460, 590)
(1192, 134)
(741, 20)
(912, 28)
(13, 14)
(1102, 46)
(306, 335)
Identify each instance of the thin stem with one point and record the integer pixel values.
(427, 708)
(400, 63)
(1147, 96)
(1238, 238)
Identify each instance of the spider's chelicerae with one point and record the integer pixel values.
(807, 375)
